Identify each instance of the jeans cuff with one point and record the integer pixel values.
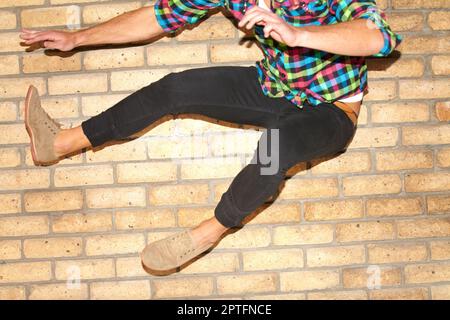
(222, 212)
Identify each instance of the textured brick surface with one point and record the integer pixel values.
(370, 223)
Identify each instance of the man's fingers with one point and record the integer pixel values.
(41, 37)
(253, 11)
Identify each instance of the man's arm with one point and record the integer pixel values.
(137, 25)
(358, 37)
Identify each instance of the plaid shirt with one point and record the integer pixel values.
(299, 74)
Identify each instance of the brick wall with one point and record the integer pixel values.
(381, 211)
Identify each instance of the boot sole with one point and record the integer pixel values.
(27, 126)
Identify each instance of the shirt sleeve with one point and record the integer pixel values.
(173, 14)
(346, 10)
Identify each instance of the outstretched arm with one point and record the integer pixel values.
(132, 26)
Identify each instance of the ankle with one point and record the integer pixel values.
(208, 232)
(62, 145)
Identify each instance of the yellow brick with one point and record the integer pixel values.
(418, 4)
(399, 112)
(101, 13)
(10, 42)
(18, 3)
(243, 284)
(182, 287)
(443, 111)
(423, 182)
(366, 277)
(440, 292)
(120, 290)
(372, 184)
(443, 157)
(73, 84)
(40, 62)
(24, 179)
(309, 188)
(335, 256)
(401, 160)
(400, 294)
(13, 133)
(118, 58)
(84, 269)
(333, 210)
(424, 89)
(438, 204)
(405, 21)
(17, 88)
(392, 253)
(379, 207)
(8, 111)
(93, 105)
(427, 273)
(210, 169)
(115, 197)
(53, 201)
(86, 175)
(402, 68)
(190, 217)
(58, 291)
(144, 219)
(104, 12)
(381, 90)
(179, 147)
(213, 262)
(146, 172)
(9, 64)
(208, 30)
(25, 272)
(374, 137)
(246, 238)
(364, 231)
(424, 228)
(275, 213)
(441, 65)
(308, 280)
(234, 53)
(136, 79)
(7, 20)
(130, 267)
(52, 247)
(68, 16)
(10, 249)
(338, 295)
(303, 234)
(229, 143)
(133, 150)
(440, 250)
(23, 226)
(280, 296)
(9, 157)
(438, 134)
(438, 20)
(10, 203)
(425, 44)
(343, 163)
(114, 244)
(76, 1)
(272, 259)
(182, 54)
(81, 222)
(179, 194)
(12, 293)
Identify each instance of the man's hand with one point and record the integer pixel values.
(274, 26)
(61, 40)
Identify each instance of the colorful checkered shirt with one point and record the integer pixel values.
(297, 73)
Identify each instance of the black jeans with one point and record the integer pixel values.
(233, 94)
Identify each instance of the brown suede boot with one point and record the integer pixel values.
(171, 252)
(41, 128)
